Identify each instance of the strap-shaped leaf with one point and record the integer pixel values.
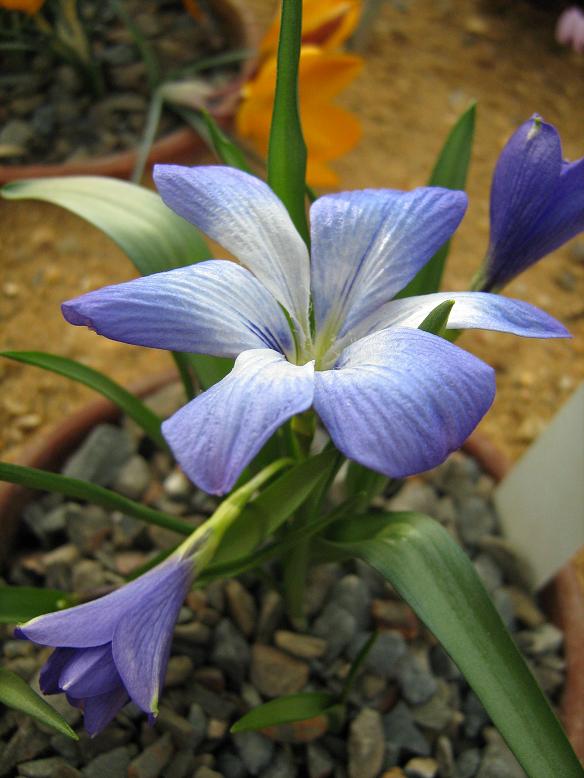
(153, 237)
(21, 603)
(226, 150)
(125, 400)
(287, 149)
(17, 694)
(420, 559)
(285, 710)
(33, 478)
(450, 171)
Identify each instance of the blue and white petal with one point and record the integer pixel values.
(242, 214)
(368, 245)
(219, 432)
(471, 310)
(401, 400)
(214, 307)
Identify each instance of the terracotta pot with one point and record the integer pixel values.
(563, 598)
(180, 145)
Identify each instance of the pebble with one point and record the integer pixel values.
(100, 457)
(445, 757)
(421, 767)
(198, 722)
(414, 496)
(489, 571)
(88, 527)
(476, 717)
(181, 729)
(181, 765)
(241, 607)
(177, 486)
(475, 519)
(504, 605)
(179, 670)
(231, 652)
(133, 478)
(351, 594)
(231, 765)
(206, 772)
(254, 749)
(497, 760)
(525, 608)
(541, 640)
(151, 762)
(16, 133)
(320, 762)
(274, 673)
(48, 768)
(302, 646)
(384, 654)
(417, 684)
(513, 565)
(468, 763)
(366, 744)
(337, 626)
(402, 734)
(271, 612)
(113, 764)
(282, 766)
(436, 714)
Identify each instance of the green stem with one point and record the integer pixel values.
(287, 149)
(356, 666)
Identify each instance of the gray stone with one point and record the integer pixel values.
(181, 765)
(114, 764)
(67, 748)
(16, 133)
(215, 705)
(497, 760)
(177, 486)
(282, 766)
(133, 478)
(474, 520)
(151, 762)
(109, 739)
(179, 671)
(303, 646)
(445, 757)
(128, 532)
(198, 722)
(417, 684)
(48, 768)
(274, 673)
(46, 525)
(436, 714)
(88, 526)
(271, 612)
(475, 716)
(337, 626)
(489, 572)
(101, 455)
(383, 656)
(319, 583)
(468, 763)
(402, 733)
(206, 772)
(504, 605)
(415, 496)
(195, 633)
(241, 606)
(17, 648)
(88, 576)
(514, 566)
(352, 594)
(231, 652)
(231, 765)
(182, 731)
(255, 750)
(421, 767)
(366, 744)
(443, 665)
(320, 762)
(525, 607)
(545, 639)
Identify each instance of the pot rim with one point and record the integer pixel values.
(178, 144)
(563, 597)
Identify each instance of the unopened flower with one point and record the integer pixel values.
(570, 28)
(116, 648)
(393, 397)
(537, 203)
(329, 130)
(30, 7)
(325, 23)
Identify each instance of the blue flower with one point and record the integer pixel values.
(116, 648)
(393, 397)
(537, 203)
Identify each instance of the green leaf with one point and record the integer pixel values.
(270, 509)
(208, 370)
(285, 710)
(430, 571)
(436, 321)
(33, 478)
(287, 150)
(227, 151)
(450, 171)
(17, 694)
(21, 603)
(153, 237)
(129, 403)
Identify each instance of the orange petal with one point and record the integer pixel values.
(28, 6)
(326, 74)
(320, 175)
(329, 131)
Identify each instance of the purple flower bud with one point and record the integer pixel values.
(537, 203)
(570, 28)
(116, 648)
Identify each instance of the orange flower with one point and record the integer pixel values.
(329, 131)
(325, 23)
(28, 6)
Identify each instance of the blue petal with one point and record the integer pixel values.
(91, 671)
(100, 710)
(141, 642)
(94, 623)
(52, 669)
(400, 400)
(215, 307)
(524, 185)
(368, 245)
(472, 310)
(218, 433)
(243, 214)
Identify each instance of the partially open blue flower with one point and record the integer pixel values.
(116, 648)
(537, 203)
(393, 397)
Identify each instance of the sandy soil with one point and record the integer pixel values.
(426, 59)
